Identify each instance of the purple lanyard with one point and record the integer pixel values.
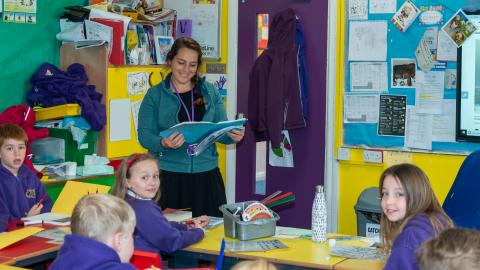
(183, 103)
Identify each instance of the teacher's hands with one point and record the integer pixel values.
(174, 141)
(236, 134)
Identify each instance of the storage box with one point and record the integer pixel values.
(236, 228)
(48, 150)
(57, 112)
(368, 210)
(72, 151)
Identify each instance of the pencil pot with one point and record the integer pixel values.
(234, 227)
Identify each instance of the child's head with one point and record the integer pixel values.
(107, 219)
(139, 173)
(454, 248)
(13, 146)
(405, 192)
(259, 264)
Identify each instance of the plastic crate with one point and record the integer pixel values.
(72, 151)
(236, 228)
(57, 112)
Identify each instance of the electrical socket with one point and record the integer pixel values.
(373, 156)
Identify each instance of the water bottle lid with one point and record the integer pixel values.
(319, 188)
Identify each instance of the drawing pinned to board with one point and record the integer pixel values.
(450, 78)
(358, 9)
(137, 83)
(162, 46)
(383, 6)
(219, 81)
(403, 72)
(392, 115)
(431, 15)
(459, 28)
(405, 16)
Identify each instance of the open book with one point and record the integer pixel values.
(200, 135)
(48, 218)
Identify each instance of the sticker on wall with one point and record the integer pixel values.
(405, 16)
(431, 15)
(8, 17)
(20, 17)
(459, 28)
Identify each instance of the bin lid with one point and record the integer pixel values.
(369, 200)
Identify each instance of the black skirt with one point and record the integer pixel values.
(202, 192)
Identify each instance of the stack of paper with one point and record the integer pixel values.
(177, 215)
(49, 218)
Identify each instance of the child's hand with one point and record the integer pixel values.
(200, 222)
(35, 210)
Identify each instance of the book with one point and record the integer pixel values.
(15, 236)
(257, 245)
(177, 215)
(48, 218)
(195, 132)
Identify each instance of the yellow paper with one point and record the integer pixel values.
(8, 238)
(72, 192)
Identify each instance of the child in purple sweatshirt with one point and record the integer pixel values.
(21, 192)
(138, 182)
(102, 228)
(411, 214)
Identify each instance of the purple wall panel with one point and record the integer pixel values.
(308, 143)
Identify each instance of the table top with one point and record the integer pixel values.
(360, 264)
(301, 252)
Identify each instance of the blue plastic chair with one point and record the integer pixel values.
(462, 203)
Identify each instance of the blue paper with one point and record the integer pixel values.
(184, 28)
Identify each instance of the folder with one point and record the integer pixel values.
(8, 238)
(72, 192)
(117, 57)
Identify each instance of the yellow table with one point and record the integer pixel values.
(302, 253)
(358, 264)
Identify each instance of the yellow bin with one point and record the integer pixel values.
(56, 112)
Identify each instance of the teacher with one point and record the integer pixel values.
(186, 181)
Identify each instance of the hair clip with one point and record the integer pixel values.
(131, 161)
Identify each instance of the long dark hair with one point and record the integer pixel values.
(192, 44)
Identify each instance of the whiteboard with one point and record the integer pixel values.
(205, 16)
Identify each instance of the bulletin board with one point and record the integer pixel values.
(205, 22)
(387, 102)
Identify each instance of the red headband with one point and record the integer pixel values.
(131, 161)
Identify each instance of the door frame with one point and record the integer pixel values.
(331, 164)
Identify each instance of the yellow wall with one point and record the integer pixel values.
(356, 175)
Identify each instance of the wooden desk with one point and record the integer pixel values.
(30, 250)
(301, 254)
(358, 264)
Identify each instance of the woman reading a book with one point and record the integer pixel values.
(187, 181)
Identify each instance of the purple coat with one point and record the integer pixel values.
(155, 233)
(274, 100)
(18, 194)
(415, 232)
(82, 253)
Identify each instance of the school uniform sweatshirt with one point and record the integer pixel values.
(405, 246)
(18, 194)
(82, 253)
(155, 233)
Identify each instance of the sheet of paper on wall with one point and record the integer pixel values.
(446, 49)
(405, 16)
(418, 130)
(358, 10)
(367, 41)
(282, 156)
(119, 120)
(135, 109)
(383, 6)
(368, 77)
(360, 108)
(425, 58)
(450, 79)
(444, 124)
(137, 82)
(219, 81)
(392, 115)
(429, 92)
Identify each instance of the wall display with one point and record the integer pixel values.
(414, 77)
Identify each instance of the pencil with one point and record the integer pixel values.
(42, 199)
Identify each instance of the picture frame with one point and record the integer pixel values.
(162, 47)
